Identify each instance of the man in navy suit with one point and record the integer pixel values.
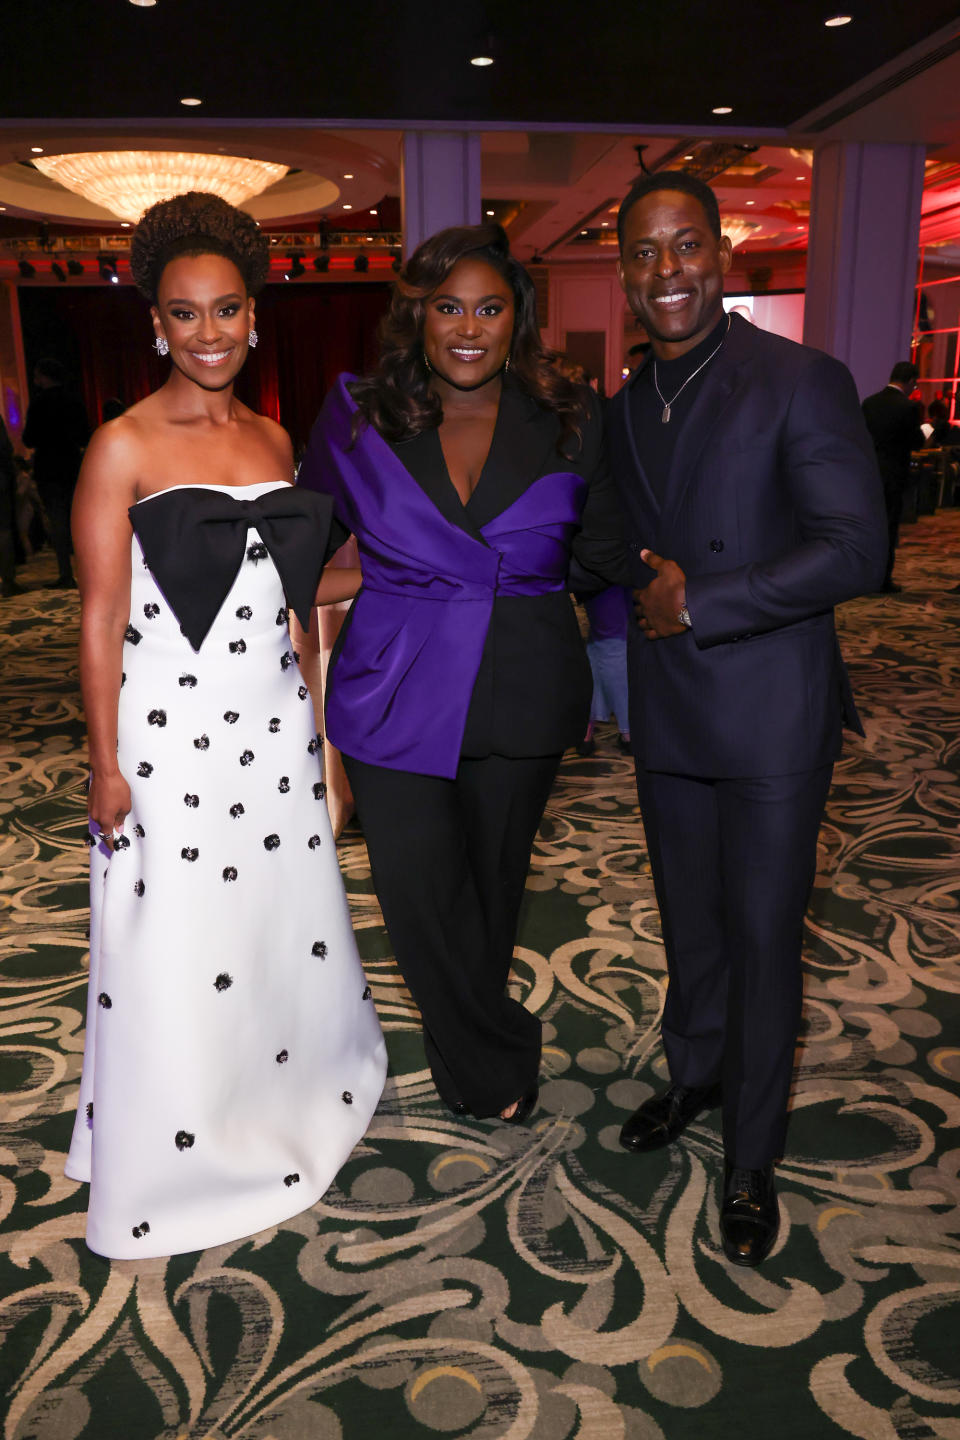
(893, 420)
(753, 506)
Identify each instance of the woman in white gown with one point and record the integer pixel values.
(233, 1055)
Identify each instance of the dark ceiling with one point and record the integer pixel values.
(636, 62)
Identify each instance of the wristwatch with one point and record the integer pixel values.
(684, 617)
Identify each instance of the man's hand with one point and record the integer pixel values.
(658, 604)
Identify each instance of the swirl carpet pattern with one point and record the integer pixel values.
(467, 1279)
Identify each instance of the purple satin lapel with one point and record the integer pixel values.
(533, 535)
(405, 674)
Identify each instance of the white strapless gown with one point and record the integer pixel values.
(233, 1054)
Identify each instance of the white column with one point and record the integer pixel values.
(439, 182)
(862, 259)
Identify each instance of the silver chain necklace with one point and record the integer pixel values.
(668, 404)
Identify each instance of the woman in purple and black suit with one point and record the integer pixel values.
(472, 475)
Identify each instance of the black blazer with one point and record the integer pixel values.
(532, 691)
(774, 510)
(894, 424)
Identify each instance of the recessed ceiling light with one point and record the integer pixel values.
(751, 202)
(369, 239)
(722, 109)
(800, 177)
(604, 224)
(36, 149)
(124, 224)
(348, 207)
(834, 21)
(3, 207)
(348, 177)
(688, 157)
(584, 232)
(481, 61)
(490, 212)
(146, 4)
(374, 212)
(191, 100)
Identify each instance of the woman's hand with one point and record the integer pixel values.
(108, 803)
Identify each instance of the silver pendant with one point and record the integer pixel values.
(665, 417)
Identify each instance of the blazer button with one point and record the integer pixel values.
(634, 545)
(716, 546)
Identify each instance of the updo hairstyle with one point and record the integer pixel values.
(197, 224)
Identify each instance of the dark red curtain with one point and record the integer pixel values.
(308, 334)
(102, 337)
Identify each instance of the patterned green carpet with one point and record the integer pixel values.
(468, 1280)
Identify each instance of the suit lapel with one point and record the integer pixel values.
(524, 447)
(423, 458)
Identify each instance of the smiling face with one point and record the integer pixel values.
(468, 325)
(671, 268)
(205, 314)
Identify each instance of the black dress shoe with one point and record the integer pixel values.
(749, 1214)
(525, 1106)
(665, 1115)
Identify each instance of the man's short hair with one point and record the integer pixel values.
(670, 180)
(904, 373)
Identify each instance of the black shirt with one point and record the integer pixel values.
(656, 441)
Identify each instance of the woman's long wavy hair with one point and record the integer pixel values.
(397, 400)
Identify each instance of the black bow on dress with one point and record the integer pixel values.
(193, 540)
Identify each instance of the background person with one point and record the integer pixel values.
(56, 430)
(893, 420)
(8, 516)
(609, 614)
(943, 431)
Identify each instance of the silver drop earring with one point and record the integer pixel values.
(161, 346)
(253, 338)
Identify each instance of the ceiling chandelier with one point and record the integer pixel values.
(737, 229)
(128, 182)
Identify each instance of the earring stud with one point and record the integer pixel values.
(253, 338)
(161, 346)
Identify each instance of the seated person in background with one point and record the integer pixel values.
(942, 432)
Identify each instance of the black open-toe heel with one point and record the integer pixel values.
(525, 1107)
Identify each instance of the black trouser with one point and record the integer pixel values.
(449, 860)
(893, 501)
(733, 862)
(57, 500)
